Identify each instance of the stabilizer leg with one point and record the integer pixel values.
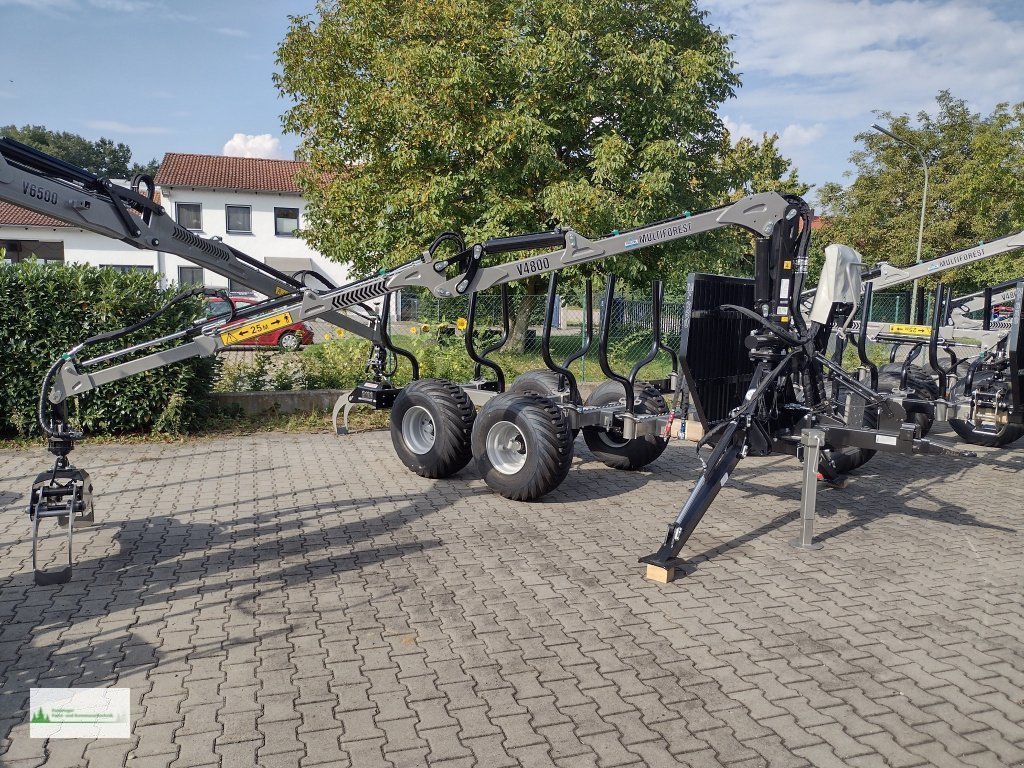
(663, 564)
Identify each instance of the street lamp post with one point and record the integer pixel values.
(924, 200)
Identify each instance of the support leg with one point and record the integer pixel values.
(662, 565)
(811, 440)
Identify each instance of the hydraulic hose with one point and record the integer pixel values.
(118, 333)
(782, 333)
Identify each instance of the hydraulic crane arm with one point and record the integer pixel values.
(758, 214)
(49, 186)
(888, 276)
(884, 275)
(1004, 293)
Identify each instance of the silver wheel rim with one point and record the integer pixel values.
(611, 442)
(290, 342)
(605, 436)
(506, 448)
(418, 430)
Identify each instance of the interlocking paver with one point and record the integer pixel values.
(322, 606)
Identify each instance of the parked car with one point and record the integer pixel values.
(289, 337)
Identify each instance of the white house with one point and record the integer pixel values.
(254, 205)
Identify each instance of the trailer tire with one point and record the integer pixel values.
(968, 430)
(522, 445)
(919, 386)
(431, 427)
(619, 453)
(542, 382)
(849, 458)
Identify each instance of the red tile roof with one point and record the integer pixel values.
(219, 172)
(16, 216)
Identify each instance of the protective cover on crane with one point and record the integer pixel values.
(839, 282)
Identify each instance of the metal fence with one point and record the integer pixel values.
(891, 307)
(629, 340)
(630, 336)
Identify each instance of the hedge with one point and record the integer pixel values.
(46, 310)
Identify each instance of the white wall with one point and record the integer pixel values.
(85, 247)
(262, 243)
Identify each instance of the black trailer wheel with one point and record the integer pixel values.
(522, 445)
(971, 431)
(848, 458)
(431, 427)
(542, 382)
(920, 386)
(612, 449)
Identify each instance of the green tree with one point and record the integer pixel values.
(975, 167)
(495, 117)
(103, 157)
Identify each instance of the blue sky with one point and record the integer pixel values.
(187, 76)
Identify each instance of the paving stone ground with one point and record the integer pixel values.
(303, 600)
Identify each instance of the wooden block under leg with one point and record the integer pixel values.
(694, 431)
(660, 575)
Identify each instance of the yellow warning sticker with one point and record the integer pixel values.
(256, 328)
(911, 330)
(787, 265)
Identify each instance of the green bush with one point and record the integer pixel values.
(335, 364)
(47, 310)
(340, 363)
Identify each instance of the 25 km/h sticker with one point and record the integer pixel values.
(911, 330)
(256, 328)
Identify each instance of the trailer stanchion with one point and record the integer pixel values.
(811, 440)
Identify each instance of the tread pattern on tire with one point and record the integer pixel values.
(541, 382)
(638, 452)
(968, 430)
(453, 415)
(549, 444)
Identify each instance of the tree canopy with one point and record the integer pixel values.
(975, 185)
(496, 118)
(103, 157)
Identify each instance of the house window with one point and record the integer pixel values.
(286, 221)
(190, 276)
(125, 268)
(44, 252)
(239, 218)
(190, 215)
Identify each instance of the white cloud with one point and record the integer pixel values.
(52, 8)
(117, 127)
(65, 9)
(739, 131)
(793, 135)
(814, 71)
(178, 16)
(844, 57)
(122, 6)
(41, 5)
(231, 32)
(246, 145)
(796, 135)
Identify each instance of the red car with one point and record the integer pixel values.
(289, 337)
